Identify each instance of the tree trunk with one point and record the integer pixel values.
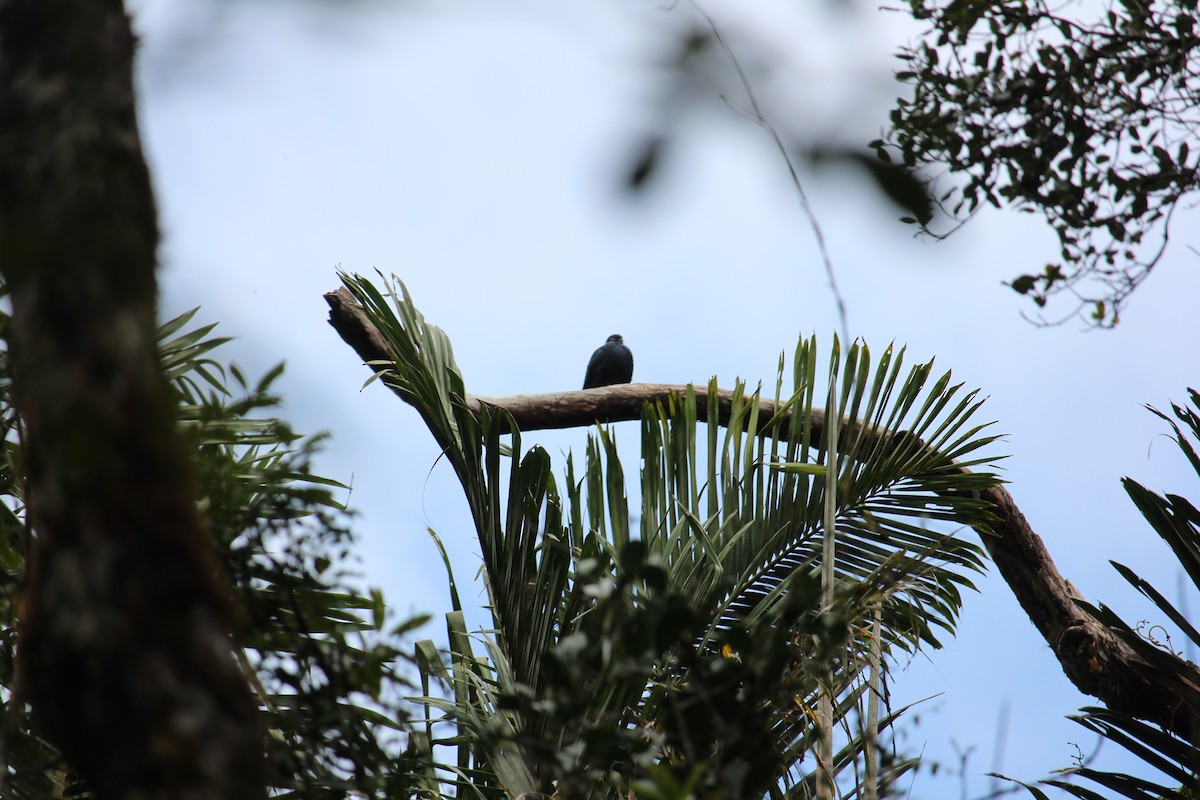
(124, 649)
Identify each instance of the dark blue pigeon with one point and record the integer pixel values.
(612, 363)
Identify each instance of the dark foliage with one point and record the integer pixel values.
(1086, 121)
(320, 654)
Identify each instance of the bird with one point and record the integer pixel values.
(611, 363)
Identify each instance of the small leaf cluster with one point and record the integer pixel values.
(317, 647)
(1089, 122)
(708, 716)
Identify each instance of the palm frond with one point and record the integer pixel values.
(1173, 760)
(611, 646)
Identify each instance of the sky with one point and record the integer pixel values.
(476, 149)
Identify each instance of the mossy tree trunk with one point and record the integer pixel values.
(124, 647)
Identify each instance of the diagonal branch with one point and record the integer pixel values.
(1093, 658)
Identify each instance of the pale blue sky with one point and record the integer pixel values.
(473, 149)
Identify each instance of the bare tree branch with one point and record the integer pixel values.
(125, 652)
(1095, 660)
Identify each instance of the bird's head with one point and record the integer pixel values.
(616, 337)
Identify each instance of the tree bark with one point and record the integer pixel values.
(124, 641)
(1093, 658)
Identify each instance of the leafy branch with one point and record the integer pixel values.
(1087, 121)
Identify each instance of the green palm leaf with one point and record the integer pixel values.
(1174, 761)
(611, 648)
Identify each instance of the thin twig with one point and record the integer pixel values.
(757, 115)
